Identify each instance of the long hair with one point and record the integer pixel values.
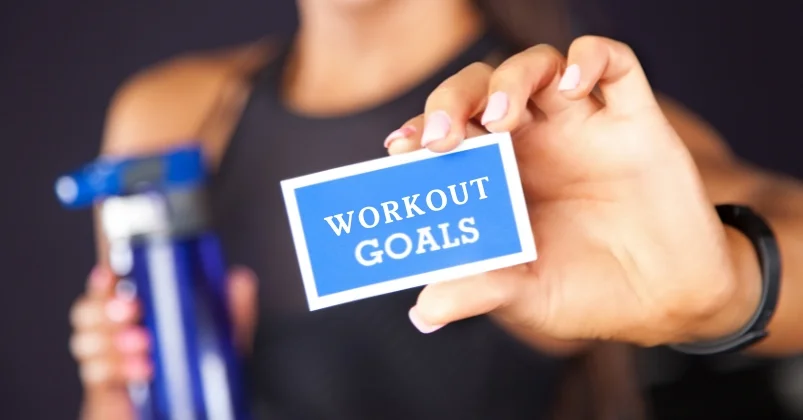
(602, 383)
(529, 22)
(525, 23)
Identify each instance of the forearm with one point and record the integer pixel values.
(776, 198)
(780, 202)
(106, 404)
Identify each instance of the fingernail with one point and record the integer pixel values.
(239, 277)
(437, 127)
(137, 369)
(132, 340)
(125, 289)
(100, 278)
(401, 133)
(496, 108)
(420, 324)
(570, 79)
(119, 310)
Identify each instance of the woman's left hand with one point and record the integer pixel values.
(630, 247)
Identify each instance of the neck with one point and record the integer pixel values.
(343, 56)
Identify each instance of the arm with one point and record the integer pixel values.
(188, 98)
(780, 200)
(197, 97)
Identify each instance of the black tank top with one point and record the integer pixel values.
(362, 360)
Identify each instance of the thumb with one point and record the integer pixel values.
(242, 294)
(594, 60)
(445, 302)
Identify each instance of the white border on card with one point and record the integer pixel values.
(515, 190)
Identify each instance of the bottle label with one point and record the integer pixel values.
(123, 217)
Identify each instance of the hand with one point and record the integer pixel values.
(630, 247)
(113, 350)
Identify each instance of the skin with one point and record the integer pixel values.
(354, 41)
(619, 260)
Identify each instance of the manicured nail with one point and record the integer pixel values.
(137, 369)
(437, 127)
(119, 310)
(420, 324)
(100, 279)
(402, 133)
(570, 79)
(125, 289)
(496, 108)
(132, 340)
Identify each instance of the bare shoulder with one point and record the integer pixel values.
(187, 98)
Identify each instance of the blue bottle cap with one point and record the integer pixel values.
(179, 167)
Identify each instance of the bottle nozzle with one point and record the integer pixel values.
(105, 177)
(67, 190)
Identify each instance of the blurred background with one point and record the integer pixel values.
(732, 63)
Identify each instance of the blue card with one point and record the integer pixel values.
(409, 220)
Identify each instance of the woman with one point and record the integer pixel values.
(266, 114)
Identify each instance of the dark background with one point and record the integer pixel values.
(60, 62)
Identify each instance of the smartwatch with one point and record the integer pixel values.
(756, 229)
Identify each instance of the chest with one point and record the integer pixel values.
(269, 145)
(359, 356)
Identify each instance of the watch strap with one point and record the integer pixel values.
(760, 234)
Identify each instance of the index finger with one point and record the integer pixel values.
(408, 138)
(101, 282)
(452, 105)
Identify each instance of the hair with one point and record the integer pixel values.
(525, 23)
(529, 22)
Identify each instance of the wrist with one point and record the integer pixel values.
(106, 403)
(745, 296)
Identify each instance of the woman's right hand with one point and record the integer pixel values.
(112, 349)
(109, 345)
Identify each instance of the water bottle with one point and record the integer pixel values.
(155, 217)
